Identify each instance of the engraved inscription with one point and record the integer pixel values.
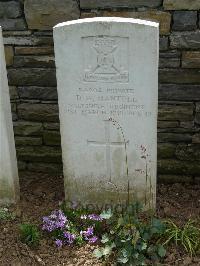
(107, 102)
(105, 59)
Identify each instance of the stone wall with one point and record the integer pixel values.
(28, 40)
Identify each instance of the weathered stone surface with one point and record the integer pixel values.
(177, 92)
(199, 20)
(52, 138)
(34, 61)
(196, 138)
(16, 33)
(166, 150)
(32, 77)
(28, 40)
(42, 93)
(43, 15)
(10, 9)
(171, 179)
(178, 124)
(9, 55)
(90, 14)
(50, 168)
(174, 137)
(21, 165)
(191, 59)
(28, 141)
(179, 130)
(97, 83)
(38, 112)
(169, 62)
(179, 76)
(43, 33)
(24, 128)
(184, 20)
(197, 113)
(181, 4)
(197, 179)
(43, 50)
(190, 152)
(180, 112)
(14, 117)
(177, 167)
(168, 124)
(13, 107)
(163, 43)
(164, 18)
(91, 4)
(186, 40)
(13, 93)
(187, 124)
(197, 118)
(12, 24)
(169, 59)
(198, 107)
(9, 181)
(39, 154)
(51, 126)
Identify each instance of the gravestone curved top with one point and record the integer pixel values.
(107, 77)
(109, 20)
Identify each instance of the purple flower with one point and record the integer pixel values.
(88, 233)
(59, 243)
(93, 239)
(95, 217)
(69, 238)
(56, 220)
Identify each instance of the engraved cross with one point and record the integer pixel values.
(108, 144)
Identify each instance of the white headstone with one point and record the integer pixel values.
(9, 186)
(107, 77)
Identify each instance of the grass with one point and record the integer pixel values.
(187, 236)
(29, 234)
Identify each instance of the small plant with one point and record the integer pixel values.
(133, 239)
(29, 234)
(5, 214)
(188, 236)
(72, 226)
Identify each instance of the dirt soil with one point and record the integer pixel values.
(40, 194)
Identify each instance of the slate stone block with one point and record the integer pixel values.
(184, 20)
(10, 9)
(38, 112)
(45, 14)
(91, 4)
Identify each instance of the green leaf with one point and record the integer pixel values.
(112, 232)
(157, 226)
(122, 260)
(120, 222)
(113, 245)
(104, 239)
(107, 250)
(161, 251)
(106, 214)
(143, 246)
(97, 253)
(124, 252)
